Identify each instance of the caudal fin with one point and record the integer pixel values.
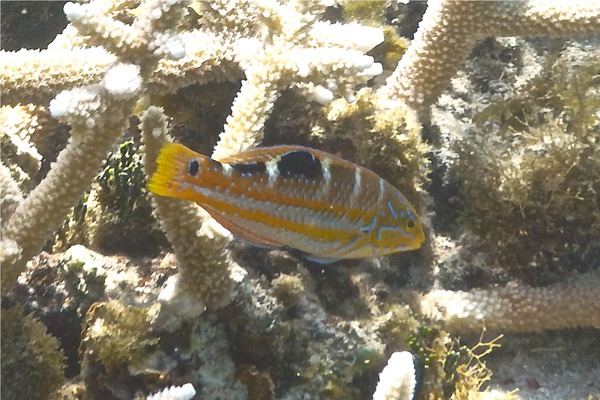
(171, 169)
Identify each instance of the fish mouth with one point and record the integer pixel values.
(420, 238)
(417, 242)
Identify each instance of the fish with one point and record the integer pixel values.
(295, 197)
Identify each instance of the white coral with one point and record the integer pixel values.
(185, 392)
(574, 303)
(123, 80)
(77, 106)
(397, 380)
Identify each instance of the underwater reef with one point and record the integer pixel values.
(485, 115)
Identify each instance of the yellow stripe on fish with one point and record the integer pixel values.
(293, 196)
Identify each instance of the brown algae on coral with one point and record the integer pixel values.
(32, 363)
(530, 188)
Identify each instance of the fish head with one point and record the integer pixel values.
(400, 229)
(180, 171)
(401, 237)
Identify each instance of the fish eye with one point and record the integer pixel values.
(193, 167)
(410, 224)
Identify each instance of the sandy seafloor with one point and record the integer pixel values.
(545, 366)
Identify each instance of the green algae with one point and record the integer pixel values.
(115, 215)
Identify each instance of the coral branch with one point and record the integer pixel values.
(250, 110)
(397, 381)
(450, 28)
(208, 57)
(97, 118)
(298, 51)
(11, 194)
(37, 76)
(519, 308)
(205, 275)
(98, 115)
(185, 392)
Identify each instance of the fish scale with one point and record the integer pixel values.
(293, 196)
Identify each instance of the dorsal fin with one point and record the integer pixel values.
(264, 154)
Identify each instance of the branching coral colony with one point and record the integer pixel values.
(117, 55)
(297, 50)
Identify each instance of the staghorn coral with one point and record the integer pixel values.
(397, 380)
(97, 115)
(151, 37)
(520, 308)
(287, 321)
(205, 277)
(450, 28)
(46, 206)
(184, 392)
(53, 71)
(286, 59)
(145, 40)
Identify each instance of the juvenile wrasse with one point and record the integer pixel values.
(293, 196)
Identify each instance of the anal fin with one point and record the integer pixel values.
(320, 260)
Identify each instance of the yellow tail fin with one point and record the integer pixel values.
(171, 169)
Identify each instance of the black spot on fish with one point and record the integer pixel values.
(250, 169)
(299, 163)
(193, 167)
